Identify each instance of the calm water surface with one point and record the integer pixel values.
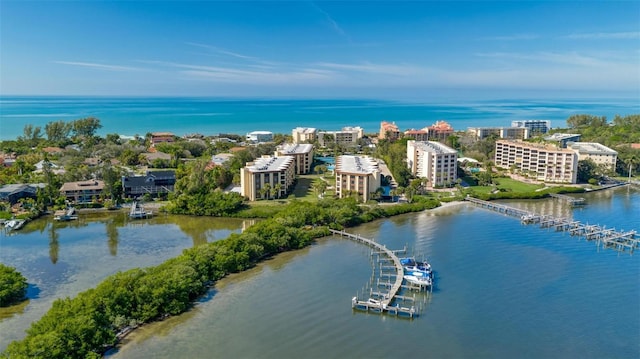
(503, 290)
(62, 259)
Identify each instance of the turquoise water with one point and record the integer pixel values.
(503, 290)
(210, 116)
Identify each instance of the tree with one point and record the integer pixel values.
(13, 286)
(586, 170)
(31, 135)
(582, 121)
(57, 131)
(86, 127)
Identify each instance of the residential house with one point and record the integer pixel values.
(154, 183)
(82, 191)
(12, 193)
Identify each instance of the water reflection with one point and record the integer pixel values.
(54, 244)
(112, 235)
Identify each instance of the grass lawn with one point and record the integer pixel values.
(509, 185)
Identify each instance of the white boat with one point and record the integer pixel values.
(14, 224)
(418, 279)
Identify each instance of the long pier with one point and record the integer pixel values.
(382, 302)
(609, 238)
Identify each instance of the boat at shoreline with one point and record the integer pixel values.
(138, 211)
(68, 215)
(417, 272)
(14, 224)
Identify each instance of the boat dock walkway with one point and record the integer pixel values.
(382, 304)
(608, 237)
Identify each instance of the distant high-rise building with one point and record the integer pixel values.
(389, 131)
(534, 126)
(348, 136)
(304, 134)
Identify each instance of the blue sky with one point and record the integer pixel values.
(320, 49)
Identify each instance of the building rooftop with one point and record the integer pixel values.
(356, 164)
(305, 129)
(432, 146)
(542, 146)
(591, 148)
(82, 185)
(293, 149)
(561, 136)
(270, 164)
(260, 133)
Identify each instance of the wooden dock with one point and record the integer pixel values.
(607, 237)
(572, 200)
(380, 302)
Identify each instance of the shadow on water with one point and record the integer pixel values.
(33, 291)
(16, 309)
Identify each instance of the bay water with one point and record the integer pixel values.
(211, 116)
(503, 290)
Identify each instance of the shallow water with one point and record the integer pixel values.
(61, 259)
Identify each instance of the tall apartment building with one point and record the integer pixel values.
(600, 154)
(358, 174)
(273, 171)
(389, 131)
(304, 134)
(302, 156)
(511, 133)
(541, 162)
(348, 136)
(534, 126)
(432, 160)
(417, 135)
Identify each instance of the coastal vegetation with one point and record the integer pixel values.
(87, 325)
(13, 286)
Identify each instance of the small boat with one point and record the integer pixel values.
(419, 280)
(14, 224)
(411, 265)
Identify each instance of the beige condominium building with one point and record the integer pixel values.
(433, 161)
(600, 154)
(541, 162)
(512, 133)
(304, 134)
(302, 156)
(357, 174)
(389, 131)
(348, 136)
(259, 178)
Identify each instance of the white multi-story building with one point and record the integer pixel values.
(542, 162)
(302, 154)
(304, 134)
(600, 154)
(267, 173)
(349, 136)
(534, 126)
(358, 174)
(260, 136)
(433, 161)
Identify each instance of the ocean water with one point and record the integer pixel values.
(211, 116)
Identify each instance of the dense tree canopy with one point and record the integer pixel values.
(13, 286)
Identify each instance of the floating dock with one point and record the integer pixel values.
(381, 302)
(607, 237)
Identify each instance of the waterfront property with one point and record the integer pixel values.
(433, 161)
(513, 133)
(600, 154)
(417, 135)
(12, 193)
(162, 137)
(348, 136)
(82, 191)
(304, 134)
(439, 131)
(534, 126)
(302, 156)
(389, 131)
(153, 183)
(540, 162)
(267, 177)
(357, 174)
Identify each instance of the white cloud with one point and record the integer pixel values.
(98, 66)
(606, 35)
